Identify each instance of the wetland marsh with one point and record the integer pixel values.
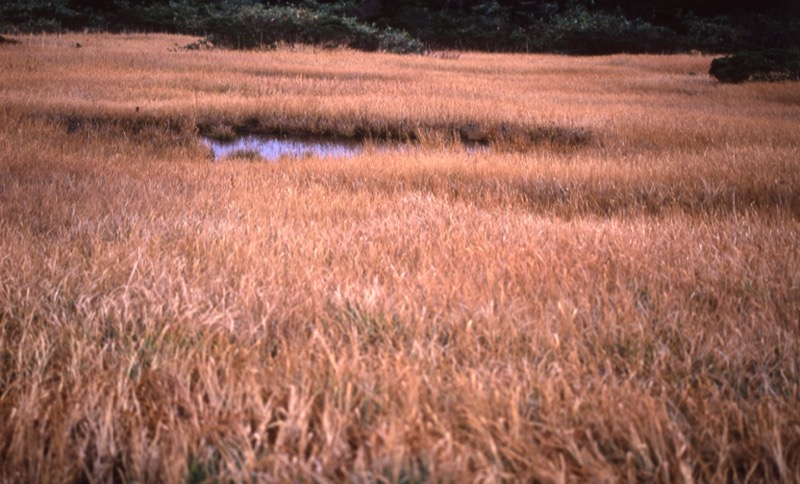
(610, 293)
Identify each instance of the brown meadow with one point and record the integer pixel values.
(611, 292)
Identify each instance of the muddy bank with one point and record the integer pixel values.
(501, 134)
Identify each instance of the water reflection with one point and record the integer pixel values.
(273, 147)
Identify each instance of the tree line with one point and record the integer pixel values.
(565, 26)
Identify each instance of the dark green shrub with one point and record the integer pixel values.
(37, 15)
(254, 26)
(581, 32)
(752, 33)
(718, 34)
(770, 65)
(399, 42)
(259, 26)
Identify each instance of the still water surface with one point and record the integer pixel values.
(275, 147)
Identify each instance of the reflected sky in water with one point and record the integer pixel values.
(273, 148)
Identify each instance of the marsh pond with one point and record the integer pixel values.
(277, 147)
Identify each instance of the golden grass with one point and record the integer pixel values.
(623, 308)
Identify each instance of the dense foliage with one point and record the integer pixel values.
(257, 25)
(568, 26)
(771, 65)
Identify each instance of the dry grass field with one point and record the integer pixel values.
(610, 293)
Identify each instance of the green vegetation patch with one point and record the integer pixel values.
(771, 65)
(578, 27)
(261, 26)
